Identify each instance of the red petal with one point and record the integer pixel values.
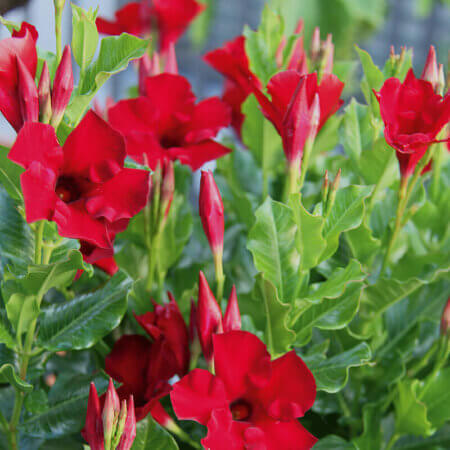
(93, 428)
(37, 142)
(241, 361)
(196, 395)
(107, 27)
(145, 148)
(94, 150)
(330, 90)
(196, 155)
(233, 95)
(282, 87)
(209, 117)
(128, 19)
(24, 28)
(38, 187)
(121, 197)
(108, 265)
(291, 390)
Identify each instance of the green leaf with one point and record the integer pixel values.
(308, 239)
(362, 243)
(331, 374)
(346, 214)
(114, 55)
(84, 35)
(67, 403)
(329, 314)
(6, 334)
(277, 336)
(410, 412)
(371, 438)
(150, 436)
(352, 132)
(7, 372)
(333, 443)
(437, 399)
(81, 322)
(10, 175)
(270, 242)
(36, 402)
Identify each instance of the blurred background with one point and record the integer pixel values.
(374, 25)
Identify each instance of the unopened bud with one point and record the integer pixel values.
(430, 71)
(315, 45)
(45, 98)
(445, 320)
(325, 187)
(327, 56)
(129, 430)
(110, 415)
(333, 190)
(314, 118)
(120, 424)
(279, 52)
(441, 80)
(232, 316)
(62, 87)
(28, 94)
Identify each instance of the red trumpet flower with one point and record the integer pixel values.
(251, 402)
(166, 124)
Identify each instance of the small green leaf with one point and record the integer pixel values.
(150, 436)
(437, 399)
(362, 243)
(410, 412)
(331, 374)
(10, 175)
(270, 242)
(352, 132)
(333, 443)
(7, 372)
(81, 322)
(371, 438)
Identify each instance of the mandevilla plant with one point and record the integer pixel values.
(303, 304)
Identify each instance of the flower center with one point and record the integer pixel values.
(67, 189)
(169, 141)
(241, 410)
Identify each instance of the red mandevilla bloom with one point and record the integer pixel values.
(413, 116)
(82, 186)
(100, 420)
(170, 17)
(251, 402)
(211, 212)
(145, 367)
(166, 124)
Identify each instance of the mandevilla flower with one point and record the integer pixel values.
(413, 115)
(166, 124)
(145, 367)
(209, 316)
(251, 402)
(169, 17)
(113, 426)
(82, 186)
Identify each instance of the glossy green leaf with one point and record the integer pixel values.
(329, 314)
(333, 443)
(82, 321)
(10, 175)
(332, 373)
(277, 335)
(363, 245)
(371, 438)
(352, 133)
(67, 403)
(270, 242)
(36, 402)
(437, 399)
(8, 372)
(151, 436)
(309, 236)
(410, 412)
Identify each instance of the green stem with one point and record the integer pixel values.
(402, 201)
(441, 359)
(436, 174)
(291, 184)
(418, 172)
(59, 6)
(305, 161)
(182, 435)
(38, 234)
(394, 438)
(220, 277)
(343, 404)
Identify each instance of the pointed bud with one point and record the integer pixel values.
(209, 317)
(93, 428)
(120, 424)
(333, 190)
(110, 414)
(441, 80)
(297, 59)
(211, 212)
(430, 71)
(145, 68)
(129, 429)
(328, 56)
(232, 317)
(325, 187)
(299, 27)
(314, 114)
(171, 65)
(44, 91)
(62, 87)
(445, 320)
(279, 52)
(28, 94)
(315, 45)
(167, 188)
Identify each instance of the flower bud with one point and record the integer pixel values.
(279, 52)
(62, 87)
(211, 213)
(314, 114)
(232, 317)
(430, 71)
(129, 428)
(333, 190)
(110, 415)
(325, 187)
(315, 45)
(209, 317)
(45, 98)
(441, 80)
(327, 56)
(445, 320)
(28, 94)
(93, 428)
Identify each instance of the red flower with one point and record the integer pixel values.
(83, 186)
(166, 124)
(145, 367)
(100, 424)
(171, 18)
(232, 62)
(251, 402)
(413, 116)
(17, 56)
(292, 110)
(209, 318)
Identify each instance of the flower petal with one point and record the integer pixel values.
(94, 150)
(196, 395)
(145, 148)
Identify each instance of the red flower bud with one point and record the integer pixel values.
(232, 317)
(445, 320)
(315, 45)
(129, 429)
(209, 317)
(28, 95)
(44, 91)
(328, 55)
(110, 413)
(93, 428)
(211, 212)
(62, 87)
(431, 71)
